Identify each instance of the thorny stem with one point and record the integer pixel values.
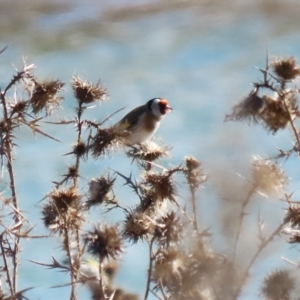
(195, 223)
(6, 265)
(241, 218)
(8, 153)
(79, 124)
(80, 111)
(260, 248)
(292, 125)
(149, 269)
(72, 267)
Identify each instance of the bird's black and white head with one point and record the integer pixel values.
(159, 107)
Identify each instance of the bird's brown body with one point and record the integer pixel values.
(143, 121)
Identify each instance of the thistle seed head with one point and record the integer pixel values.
(278, 285)
(45, 96)
(104, 242)
(286, 68)
(87, 92)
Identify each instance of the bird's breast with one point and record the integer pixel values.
(144, 129)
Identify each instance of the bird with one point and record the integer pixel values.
(143, 121)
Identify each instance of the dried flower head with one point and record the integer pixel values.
(278, 285)
(80, 149)
(169, 267)
(202, 260)
(87, 92)
(286, 68)
(192, 274)
(72, 172)
(18, 108)
(104, 242)
(193, 172)
(292, 215)
(248, 109)
(148, 151)
(268, 177)
(137, 225)
(169, 229)
(64, 210)
(99, 189)
(161, 184)
(45, 96)
(104, 141)
(278, 111)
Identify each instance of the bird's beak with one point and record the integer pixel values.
(169, 108)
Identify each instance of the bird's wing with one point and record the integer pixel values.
(131, 119)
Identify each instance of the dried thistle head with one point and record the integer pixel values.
(161, 184)
(196, 270)
(80, 149)
(64, 210)
(202, 259)
(292, 215)
(87, 92)
(104, 140)
(248, 109)
(169, 266)
(45, 96)
(193, 172)
(104, 241)
(276, 114)
(73, 172)
(169, 229)
(148, 151)
(99, 189)
(278, 285)
(137, 225)
(267, 176)
(286, 68)
(18, 108)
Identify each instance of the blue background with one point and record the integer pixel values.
(200, 55)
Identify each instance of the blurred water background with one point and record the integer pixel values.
(201, 56)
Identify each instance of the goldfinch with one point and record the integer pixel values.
(142, 122)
